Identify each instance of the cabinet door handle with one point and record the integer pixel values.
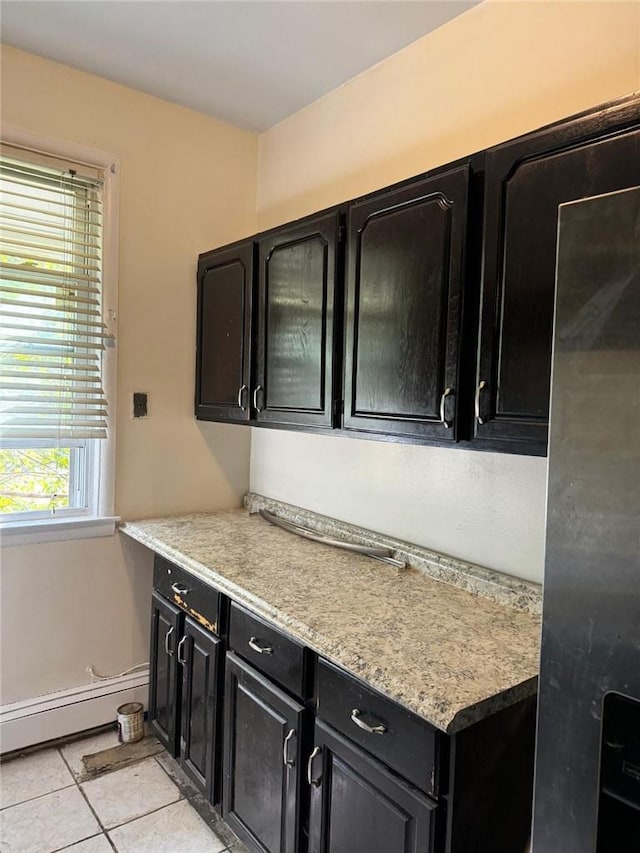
(313, 782)
(356, 718)
(481, 386)
(180, 588)
(288, 762)
(446, 393)
(167, 636)
(241, 391)
(262, 650)
(256, 391)
(182, 659)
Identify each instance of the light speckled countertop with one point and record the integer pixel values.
(450, 656)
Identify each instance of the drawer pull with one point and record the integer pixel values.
(288, 762)
(372, 730)
(446, 393)
(167, 637)
(241, 391)
(182, 659)
(313, 782)
(262, 650)
(481, 386)
(180, 588)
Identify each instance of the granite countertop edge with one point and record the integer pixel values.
(445, 716)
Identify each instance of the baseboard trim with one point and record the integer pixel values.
(55, 715)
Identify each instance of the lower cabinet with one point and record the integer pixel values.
(303, 757)
(164, 687)
(359, 806)
(198, 654)
(183, 691)
(261, 794)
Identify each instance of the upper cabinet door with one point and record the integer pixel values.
(298, 313)
(525, 182)
(223, 357)
(404, 279)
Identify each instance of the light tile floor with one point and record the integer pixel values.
(148, 807)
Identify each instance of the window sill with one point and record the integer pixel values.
(32, 532)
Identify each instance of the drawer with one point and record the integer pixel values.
(188, 592)
(399, 738)
(281, 658)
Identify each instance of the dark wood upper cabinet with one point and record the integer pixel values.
(425, 354)
(298, 324)
(223, 356)
(525, 181)
(406, 253)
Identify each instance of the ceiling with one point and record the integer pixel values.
(248, 62)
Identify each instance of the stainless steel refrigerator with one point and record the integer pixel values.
(587, 786)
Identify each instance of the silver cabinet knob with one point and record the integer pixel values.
(256, 391)
(448, 392)
(288, 762)
(241, 391)
(356, 718)
(167, 637)
(180, 588)
(182, 658)
(262, 650)
(310, 779)
(481, 386)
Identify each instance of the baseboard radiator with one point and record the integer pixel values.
(55, 715)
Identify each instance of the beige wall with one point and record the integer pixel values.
(497, 71)
(69, 605)
(501, 69)
(187, 183)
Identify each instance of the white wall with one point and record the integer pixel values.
(483, 507)
(501, 69)
(187, 183)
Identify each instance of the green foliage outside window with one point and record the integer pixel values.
(34, 479)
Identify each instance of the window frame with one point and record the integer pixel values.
(98, 518)
(82, 471)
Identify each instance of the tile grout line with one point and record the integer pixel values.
(164, 770)
(82, 840)
(86, 799)
(183, 796)
(189, 798)
(146, 814)
(106, 830)
(38, 797)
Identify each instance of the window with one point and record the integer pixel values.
(53, 338)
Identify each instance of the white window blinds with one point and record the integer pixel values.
(52, 335)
